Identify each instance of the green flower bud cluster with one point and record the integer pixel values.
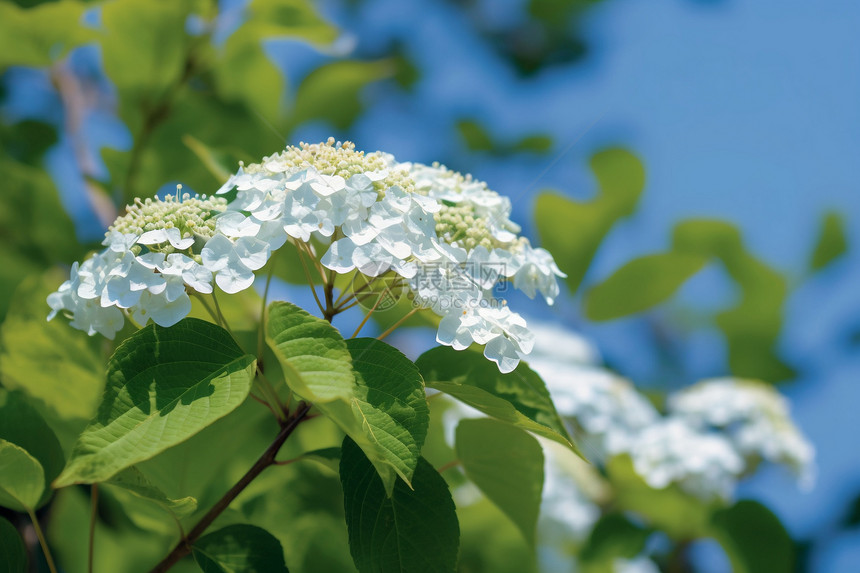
(335, 158)
(458, 224)
(193, 216)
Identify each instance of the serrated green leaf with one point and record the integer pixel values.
(369, 389)
(22, 480)
(132, 479)
(312, 353)
(332, 92)
(414, 530)
(22, 425)
(41, 35)
(641, 284)
(12, 549)
(519, 397)
(506, 463)
(573, 230)
(754, 539)
(831, 243)
(164, 386)
(240, 549)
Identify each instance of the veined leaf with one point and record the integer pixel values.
(506, 463)
(240, 549)
(369, 389)
(164, 386)
(412, 531)
(22, 479)
(519, 397)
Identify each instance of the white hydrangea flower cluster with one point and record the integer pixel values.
(446, 235)
(753, 416)
(154, 255)
(714, 433)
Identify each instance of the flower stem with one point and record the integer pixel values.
(367, 317)
(94, 508)
(184, 546)
(42, 541)
(398, 323)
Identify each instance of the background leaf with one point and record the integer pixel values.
(641, 284)
(414, 530)
(572, 230)
(132, 479)
(240, 549)
(831, 243)
(22, 425)
(12, 549)
(164, 386)
(754, 539)
(22, 480)
(506, 464)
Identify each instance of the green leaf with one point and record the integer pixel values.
(164, 386)
(680, 515)
(754, 539)
(22, 425)
(752, 327)
(612, 537)
(327, 457)
(240, 549)
(316, 362)
(831, 243)
(132, 479)
(369, 389)
(477, 138)
(506, 464)
(415, 530)
(519, 397)
(390, 405)
(641, 284)
(12, 549)
(573, 230)
(39, 36)
(22, 480)
(332, 92)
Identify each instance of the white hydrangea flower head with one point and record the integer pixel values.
(753, 415)
(155, 254)
(703, 464)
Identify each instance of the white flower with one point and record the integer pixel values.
(234, 263)
(502, 332)
(753, 415)
(704, 465)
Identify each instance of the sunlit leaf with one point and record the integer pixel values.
(573, 230)
(831, 243)
(506, 464)
(369, 389)
(22, 480)
(22, 425)
(12, 549)
(164, 386)
(240, 549)
(641, 284)
(754, 539)
(519, 397)
(414, 530)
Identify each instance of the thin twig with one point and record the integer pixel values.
(94, 495)
(398, 323)
(184, 546)
(42, 541)
(367, 317)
